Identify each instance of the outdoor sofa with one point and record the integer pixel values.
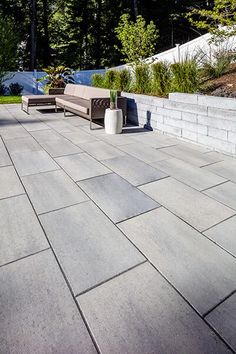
(85, 101)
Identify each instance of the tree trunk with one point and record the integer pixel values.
(135, 3)
(33, 26)
(98, 35)
(46, 49)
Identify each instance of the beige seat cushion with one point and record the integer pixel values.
(70, 89)
(76, 107)
(30, 99)
(61, 101)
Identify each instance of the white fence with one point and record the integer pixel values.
(28, 79)
(190, 49)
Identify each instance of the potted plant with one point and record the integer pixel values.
(113, 116)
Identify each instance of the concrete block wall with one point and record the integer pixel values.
(206, 120)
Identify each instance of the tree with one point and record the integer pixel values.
(219, 21)
(138, 39)
(8, 45)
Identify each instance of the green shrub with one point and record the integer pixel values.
(186, 76)
(109, 79)
(161, 79)
(142, 81)
(98, 80)
(122, 80)
(217, 65)
(15, 89)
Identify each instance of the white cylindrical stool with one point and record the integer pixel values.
(113, 121)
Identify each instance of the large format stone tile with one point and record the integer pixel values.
(4, 157)
(224, 234)
(223, 319)
(82, 166)
(133, 170)
(116, 197)
(226, 169)
(31, 162)
(144, 152)
(191, 175)
(22, 145)
(38, 314)
(117, 139)
(46, 135)
(197, 209)
(60, 147)
(88, 245)
(190, 155)
(101, 150)
(139, 312)
(33, 125)
(155, 140)
(21, 233)
(14, 132)
(204, 277)
(224, 193)
(52, 190)
(79, 137)
(10, 184)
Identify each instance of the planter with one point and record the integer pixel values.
(113, 121)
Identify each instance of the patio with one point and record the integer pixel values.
(113, 244)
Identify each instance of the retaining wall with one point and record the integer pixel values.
(207, 120)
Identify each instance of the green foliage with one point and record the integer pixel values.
(161, 81)
(185, 76)
(8, 47)
(15, 89)
(10, 99)
(98, 80)
(142, 82)
(57, 77)
(219, 21)
(122, 80)
(109, 79)
(138, 39)
(217, 64)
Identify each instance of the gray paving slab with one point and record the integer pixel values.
(82, 166)
(144, 153)
(61, 126)
(14, 132)
(79, 137)
(226, 169)
(52, 190)
(202, 272)
(139, 312)
(133, 170)
(46, 135)
(101, 150)
(223, 319)
(38, 314)
(34, 125)
(190, 155)
(10, 184)
(77, 121)
(21, 233)
(224, 234)
(156, 140)
(31, 162)
(4, 157)
(116, 197)
(22, 145)
(60, 147)
(88, 245)
(197, 209)
(224, 193)
(117, 139)
(191, 175)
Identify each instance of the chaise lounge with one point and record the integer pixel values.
(85, 101)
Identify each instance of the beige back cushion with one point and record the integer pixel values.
(70, 89)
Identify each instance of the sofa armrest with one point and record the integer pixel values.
(99, 105)
(56, 91)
